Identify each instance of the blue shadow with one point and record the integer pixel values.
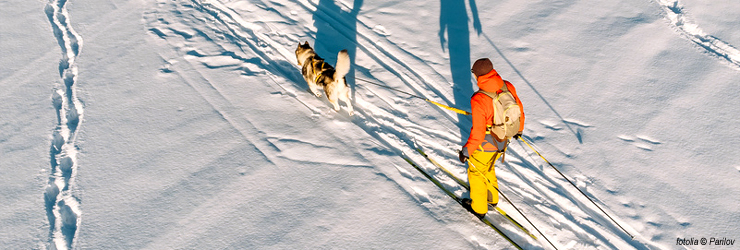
(336, 30)
(453, 20)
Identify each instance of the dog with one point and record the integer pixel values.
(320, 74)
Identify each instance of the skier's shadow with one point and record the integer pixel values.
(453, 20)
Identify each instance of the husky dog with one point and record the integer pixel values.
(320, 74)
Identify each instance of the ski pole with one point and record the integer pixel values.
(456, 110)
(574, 185)
(507, 198)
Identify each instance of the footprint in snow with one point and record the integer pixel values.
(640, 141)
(380, 30)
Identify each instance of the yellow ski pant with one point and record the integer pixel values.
(480, 171)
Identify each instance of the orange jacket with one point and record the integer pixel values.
(482, 107)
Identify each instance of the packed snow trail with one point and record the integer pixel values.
(675, 13)
(211, 35)
(62, 206)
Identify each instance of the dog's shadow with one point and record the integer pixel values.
(288, 69)
(292, 72)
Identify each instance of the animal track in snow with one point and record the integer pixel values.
(577, 123)
(640, 141)
(555, 125)
(676, 14)
(551, 125)
(62, 207)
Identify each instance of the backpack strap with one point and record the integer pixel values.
(494, 95)
(503, 151)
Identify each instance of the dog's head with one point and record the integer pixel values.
(302, 52)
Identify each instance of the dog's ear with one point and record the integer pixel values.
(306, 43)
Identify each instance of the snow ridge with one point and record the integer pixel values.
(676, 14)
(62, 207)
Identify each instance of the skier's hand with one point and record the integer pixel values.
(516, 137)
(463, 156)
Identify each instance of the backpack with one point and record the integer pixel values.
(506, 113)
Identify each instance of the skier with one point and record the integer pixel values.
(488, 140)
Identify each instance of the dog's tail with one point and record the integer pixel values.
(342, 67)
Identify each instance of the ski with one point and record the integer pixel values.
(464, 184)
(459, 201)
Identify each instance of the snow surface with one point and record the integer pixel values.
(174, 124)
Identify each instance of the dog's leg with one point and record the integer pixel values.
(346, 98)
(313, 87)
(335, 102)
(333, 97)
(309, 80)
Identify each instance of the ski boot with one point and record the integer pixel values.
(466, 203)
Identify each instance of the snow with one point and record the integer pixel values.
(186, 124)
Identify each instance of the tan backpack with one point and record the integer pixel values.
(506, 113)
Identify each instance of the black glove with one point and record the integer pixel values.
(516, 137)
(463, 156)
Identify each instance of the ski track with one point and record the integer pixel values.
(676, 14)
(558, 210)
(62, 205)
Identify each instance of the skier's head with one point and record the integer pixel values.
(481, 67)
